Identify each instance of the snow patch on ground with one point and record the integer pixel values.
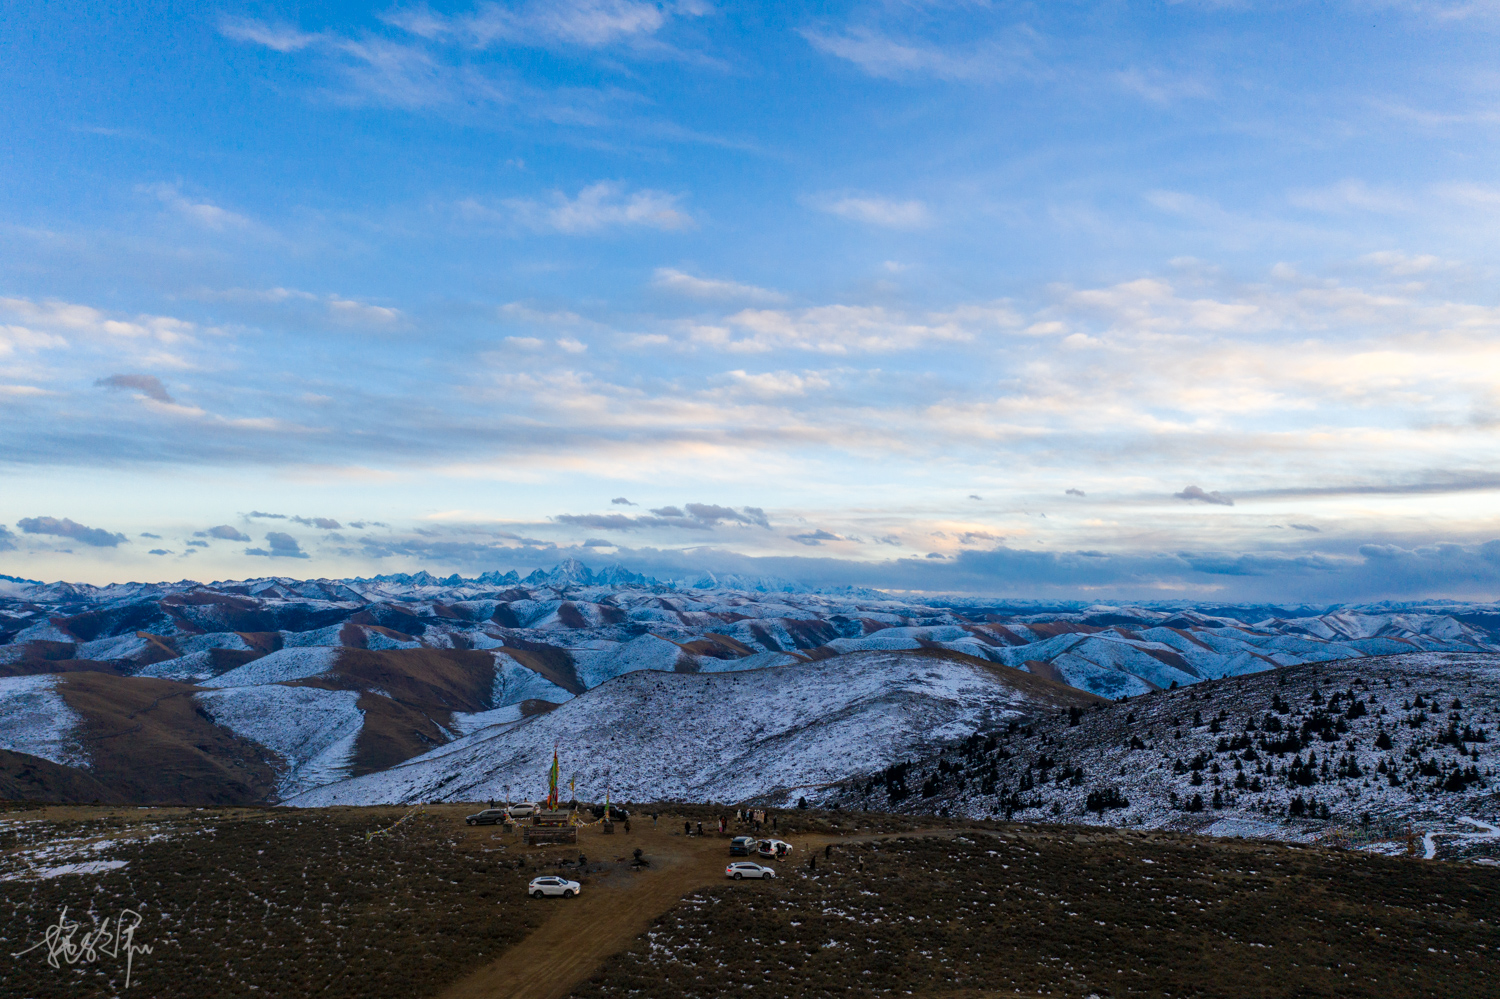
(86, 867)
(761, 660)
(187, 669)
(515, 683)
(465, 723)
(646, 652)
(35, 720)
(279, 667)
(188, 644)
(42, 631)
(312, 730)
(121, 647)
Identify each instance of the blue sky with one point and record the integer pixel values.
(1156, 300)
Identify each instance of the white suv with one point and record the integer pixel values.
(747, 869)
(774, 848)
(523, 810)
(549, 885)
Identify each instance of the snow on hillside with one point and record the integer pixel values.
(611, 622)
(191, 668)
(608, 660)
(312, 730)
(721, 736)
(1353, 748)
(515, 683)
(574, 628)
(35, 720)
(279, 667)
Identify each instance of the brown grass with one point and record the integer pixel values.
(1043, 910)
(149, 742)
(277, 903)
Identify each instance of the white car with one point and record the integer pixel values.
(549, 885)
(525, 809)
(747, 869)
(774, 848)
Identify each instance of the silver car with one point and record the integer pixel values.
(747, 869)
(549, 885)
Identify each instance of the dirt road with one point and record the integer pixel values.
(611, 911)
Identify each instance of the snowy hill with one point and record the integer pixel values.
(593, 626)
(768, 734)
(1350, 748)
(308, 682)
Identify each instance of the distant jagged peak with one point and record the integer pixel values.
(735, 581)
(616, 574)
(494, 578)
(18, 579)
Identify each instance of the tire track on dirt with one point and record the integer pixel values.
(582, 933)
(607, 916)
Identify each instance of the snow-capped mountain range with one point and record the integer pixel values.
(297, 685)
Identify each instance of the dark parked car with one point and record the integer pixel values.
(616, 813)
(741, 846)
(488, 817)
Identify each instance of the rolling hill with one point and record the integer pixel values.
(268, 689)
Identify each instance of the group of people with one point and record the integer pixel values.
(752, 816)
(757, 817)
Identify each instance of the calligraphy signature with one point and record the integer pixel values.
(107, 939)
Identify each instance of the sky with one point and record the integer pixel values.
(1147, 301)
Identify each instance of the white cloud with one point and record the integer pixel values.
(13, 338)
(779, 383)
(1350, 195)
(877, 211)
(1399, 264)
(204, 213)
(584, 23)
(829, 329)
(351, 311)
(895, 59)
(1472, 195)
(1160, 87)
(404, 76)
(571, 345)
(338, 307)
(519, 311)
(88, 321)
(603, 205)
(281, 37)
(669, 279)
